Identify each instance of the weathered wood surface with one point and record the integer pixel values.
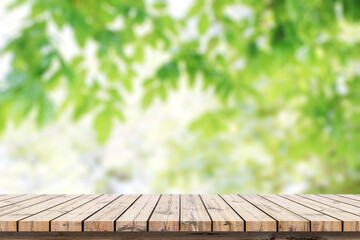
(180, 235)
(135, 219)
(73, 220)
(320, 222)
(193, 214)
(182, 214)
(221, 214)
(166, 214)
(103, 220)
(286, 219)
(255, 219)
(351, 222)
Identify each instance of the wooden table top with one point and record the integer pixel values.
(173, 213)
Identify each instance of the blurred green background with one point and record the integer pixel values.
(208, 96)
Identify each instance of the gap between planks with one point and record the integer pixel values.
(197, 212)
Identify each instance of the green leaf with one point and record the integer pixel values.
(163, 92)
(103, 125)
(196, 8)
(204, 24)
(127, 83)
(139, 54)
(119, 115)
(46, 111)
(148, 98)
(84, 105)
(15, 4)
(169, 71)
(160, 5)
(76, 61)
(209, 124)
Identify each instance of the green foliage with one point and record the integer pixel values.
(103, 125)
(292, 58)
(204, 24)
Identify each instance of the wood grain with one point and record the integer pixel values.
(180, 235)
(72, 221)
(352, 196)
(287, 220)
(10, 196)
(9, 221)
(27, 203)
(104, 219)
(9, 201)
(40, 222)
(256, 220)
(340, 198)
(136, 217)
(193, 215)
(166, 216)
(351, 222)
(186, 214)
(222, 216)
(319, 221)
(335, 203)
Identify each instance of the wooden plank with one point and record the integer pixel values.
(222, 216)
(72, 221)
(19, 198)
(8, 222)
(335, 203)
(351, 222)
(319, 222)
(166, 216)
(104, 220)
(193, 215)
(185, 213)
(41, 222)
(255, 219)
(339, 198)
(180, 235)
(10, 196)
(352, 196)
(136, 217)
(287, 221)
(27, 203)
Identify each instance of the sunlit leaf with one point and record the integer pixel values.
(204, 24)
(103, 125)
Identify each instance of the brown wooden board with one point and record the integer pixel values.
(184, 213)
(351, 222)
(103, 220)
(223, 217)
(255, 219)
(166, 215)
(136, 217)
(319, 222)
(287, 220)
(8, 222)
(40, 222)
(193, 214)
(72, 221)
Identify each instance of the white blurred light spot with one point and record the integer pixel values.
(261, 42)
(341, 87)
(301, 53)
(142, 30)
(238, 12)
(239, 64)
(178, 9)
(248, 32)
(117, 24)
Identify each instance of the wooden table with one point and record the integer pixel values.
(189, 216)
